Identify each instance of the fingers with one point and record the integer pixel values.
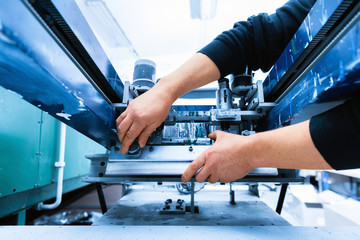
(193, 168)
(213, 179)
(121, 118)
(124, 127)
(130, 135)
(203, 174)
(216, 134)
(144, 136)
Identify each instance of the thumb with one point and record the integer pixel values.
(216, 134)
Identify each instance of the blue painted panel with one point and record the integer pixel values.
(316, 18)
(78, 24)
(35, 67)
(335, 77)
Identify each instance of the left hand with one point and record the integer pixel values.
(227, 160)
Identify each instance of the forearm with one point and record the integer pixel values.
(198, 71)
(288, 147)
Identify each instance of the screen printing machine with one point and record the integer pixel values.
(50, 57)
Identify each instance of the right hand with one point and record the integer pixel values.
(142, 116)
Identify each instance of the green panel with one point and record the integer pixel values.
(29, 140)
(19, 143)
(48, 149)
(14, 203)
(77, 145)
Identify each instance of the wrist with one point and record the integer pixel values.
(169, 88)
(165, 91)
(257, 151)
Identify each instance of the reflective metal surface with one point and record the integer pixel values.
(318, 16)
(335, 78)
(78, 24)
(34, 66)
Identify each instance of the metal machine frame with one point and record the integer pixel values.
(77, 87)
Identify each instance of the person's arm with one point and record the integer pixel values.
(258, 42)
(336, 134)
(229, 52)
(233, 156)
(330, 140)
(149, 110)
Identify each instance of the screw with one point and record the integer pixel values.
(191, 149)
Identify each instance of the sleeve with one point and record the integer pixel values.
(258, 42)
(336, 134)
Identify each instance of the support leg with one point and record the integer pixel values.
(232, 195)
(281, 197)
(21, 218)
(101, 196)
(192, 207)
(254, 189)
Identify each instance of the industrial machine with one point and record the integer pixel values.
(73, 80)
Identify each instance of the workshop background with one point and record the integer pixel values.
(168, 33)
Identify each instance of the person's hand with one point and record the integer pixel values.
(142, 116)
(227, 160)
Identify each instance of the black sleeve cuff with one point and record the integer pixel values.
(336, 135)
(220, 54)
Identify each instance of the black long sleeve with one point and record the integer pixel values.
(336, 134)
(258, 42)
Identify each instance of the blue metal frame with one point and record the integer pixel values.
(34, 66)
(317, 17)
(335, 77)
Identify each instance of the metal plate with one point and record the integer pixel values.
(155, 161)
(180, 232)
(142, 207)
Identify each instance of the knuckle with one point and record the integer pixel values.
(224, 180)
(210, 153)
(129, 134)
(199, 179)
(194, 166)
